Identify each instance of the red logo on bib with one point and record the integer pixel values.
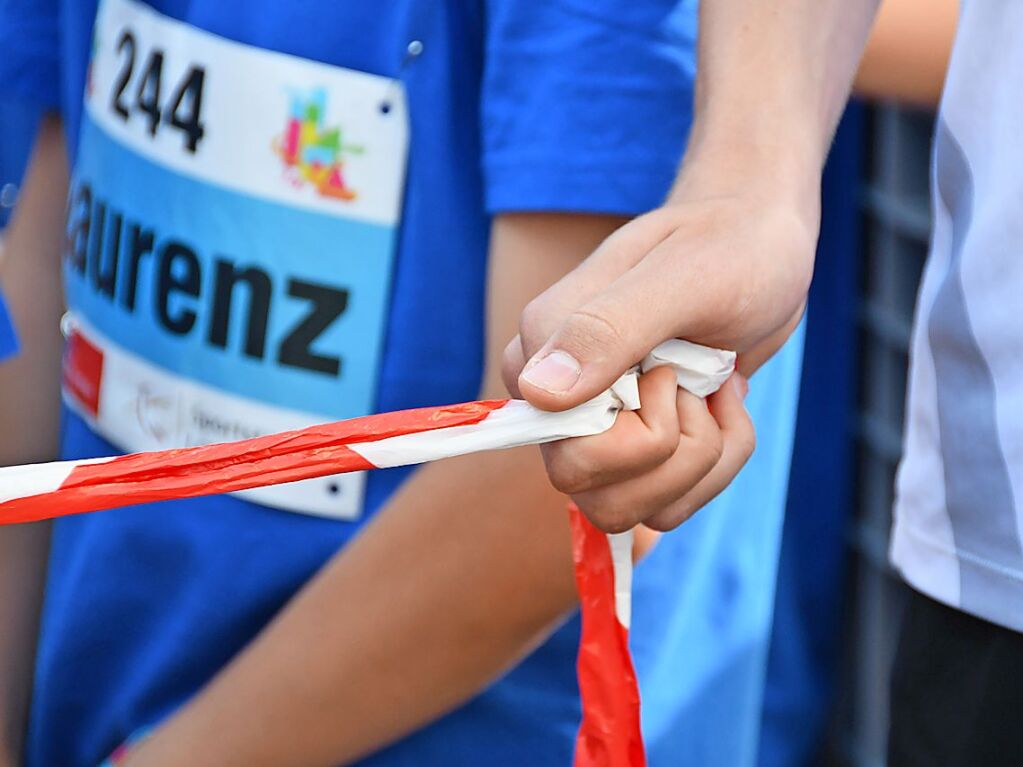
(83, 371)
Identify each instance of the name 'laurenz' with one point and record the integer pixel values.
(109, 251)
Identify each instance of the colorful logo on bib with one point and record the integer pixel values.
(313, 153)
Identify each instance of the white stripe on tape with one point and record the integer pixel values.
(514, 425)
(38, 478)
(621, 560)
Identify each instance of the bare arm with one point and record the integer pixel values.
(29, 412)
(464, 572)
(727, 259)
(908, 51)
(773, 81)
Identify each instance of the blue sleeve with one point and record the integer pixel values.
(8, 341)
(586, 104)
(30, 62)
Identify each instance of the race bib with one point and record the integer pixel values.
(232, 225)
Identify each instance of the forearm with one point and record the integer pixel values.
(773, 79)
(29, 412)
(23, 550)
(464, 572)
(30, 278)
(908, 51)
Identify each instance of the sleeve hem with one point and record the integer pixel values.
(543, 184)
(31, 77)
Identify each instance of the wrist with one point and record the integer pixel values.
(771, 174)
(789, 163)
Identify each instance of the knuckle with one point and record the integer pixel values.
(567, 472)
(536, 322)
(709, 449)
(746, 441)
(590, 333)
(533, 314)
(613, 518)
(539, 319)
(614, 511)
(664, 522)
(663, 445)
(673, 515)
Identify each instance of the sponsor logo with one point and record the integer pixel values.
(312, 153)
(156, 414)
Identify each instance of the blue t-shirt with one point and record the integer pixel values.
(513, 106)
(19, 123)
(8, 339)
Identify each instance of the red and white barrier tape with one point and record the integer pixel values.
(43, 491)
(609, 735)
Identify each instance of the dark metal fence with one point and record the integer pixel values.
(896, 224)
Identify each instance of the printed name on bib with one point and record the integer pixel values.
(109, 250)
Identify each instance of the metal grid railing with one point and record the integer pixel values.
(896, 222)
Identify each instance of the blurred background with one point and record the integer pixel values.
(873, 245)
(894, 224)
(838, 601)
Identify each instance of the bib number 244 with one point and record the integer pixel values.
(142, 93)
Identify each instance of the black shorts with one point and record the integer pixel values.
(957, 691)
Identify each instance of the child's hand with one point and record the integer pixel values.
(657, 465)
(729, 267)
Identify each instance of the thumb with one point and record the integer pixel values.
(616, 327)
(587, 353)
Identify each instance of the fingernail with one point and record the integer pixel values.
(556, 373)
(741, 384)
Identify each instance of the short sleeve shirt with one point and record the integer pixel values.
(513, 106)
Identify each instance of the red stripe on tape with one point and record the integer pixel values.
(610, 734)
(315, 451)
